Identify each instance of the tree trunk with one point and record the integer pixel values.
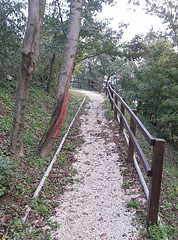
(70, 49)
(50, 73)
(30, 55)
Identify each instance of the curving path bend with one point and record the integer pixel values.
(93, 208)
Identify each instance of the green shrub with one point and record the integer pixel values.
(133, 204)
(6, 173)
(155, 232)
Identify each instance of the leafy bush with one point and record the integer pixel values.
(133, 204)
(6, 173)
(156, 233)
(152, 82)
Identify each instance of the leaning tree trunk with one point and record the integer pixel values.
(30, 55)
(70, 49)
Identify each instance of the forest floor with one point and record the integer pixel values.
(96, 206)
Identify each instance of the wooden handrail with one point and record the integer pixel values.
(155, 171)
(140, 125)
(133, 138)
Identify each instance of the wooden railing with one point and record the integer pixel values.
(89, 84)
(154, 172)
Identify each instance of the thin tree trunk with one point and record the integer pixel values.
(91, 74)
(30, 55)
(70, 49)
(50, 73)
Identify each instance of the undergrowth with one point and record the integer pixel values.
(20, 177)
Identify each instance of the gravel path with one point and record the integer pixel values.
(93, 208)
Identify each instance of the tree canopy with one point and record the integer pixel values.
(145, 68)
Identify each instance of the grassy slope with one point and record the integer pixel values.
(169, 193)
(169, 190)
(20, 177)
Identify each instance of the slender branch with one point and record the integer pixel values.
(60, 16)
(88, 57)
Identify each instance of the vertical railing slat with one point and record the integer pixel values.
(90, 85)
(106, 89)
(155, 182)
(100, 83)
(112, 105)
(131, 145)
(115, 109)
(121, 120)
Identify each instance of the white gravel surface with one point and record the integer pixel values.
(93, 208)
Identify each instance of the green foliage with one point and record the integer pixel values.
(155, 232)
(109, 111)
(62, 159)
(39, 206)
(167, 11)
(151, 80)
(133, 204)
(94, 39)
(127, 184)
(69, 148)
(134, 49)
(12, 21)
(53, 38)
(98, 50)
(6, 173)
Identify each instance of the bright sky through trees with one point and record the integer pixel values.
(139, 21)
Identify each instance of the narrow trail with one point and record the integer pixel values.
(93, 208)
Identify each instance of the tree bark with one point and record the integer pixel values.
(30, 55)
(50, 73)
(70, 49)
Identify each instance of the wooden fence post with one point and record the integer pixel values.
(131, 145)
(106, 89)
(109, 95)
(90, 84)
(121, 120)
(115, 109)
(155, 182)
(100, 86)
(112, 105)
